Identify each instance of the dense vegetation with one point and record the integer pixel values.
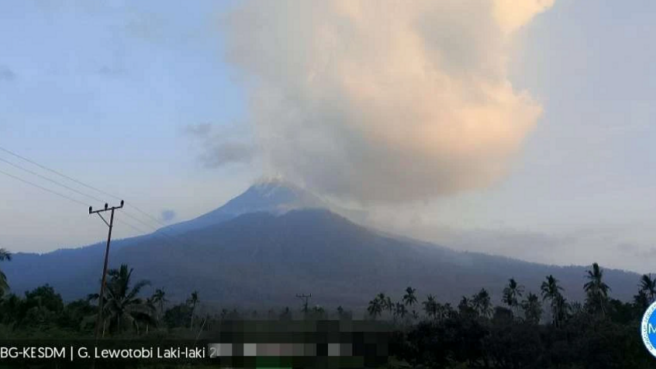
(529, 329)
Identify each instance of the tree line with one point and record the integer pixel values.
(528, 329)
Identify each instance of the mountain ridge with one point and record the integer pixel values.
(265, 257)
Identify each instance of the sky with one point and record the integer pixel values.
(474, 124)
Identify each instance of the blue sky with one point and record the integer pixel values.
(106, 93)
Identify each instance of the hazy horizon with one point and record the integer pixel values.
(528, 138)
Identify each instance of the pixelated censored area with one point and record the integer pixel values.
(300, 344)
(229, 344)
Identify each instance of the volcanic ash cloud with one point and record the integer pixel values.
(383, 101)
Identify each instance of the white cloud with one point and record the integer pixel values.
(383, 101)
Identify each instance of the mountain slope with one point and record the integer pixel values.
(264, 260)
(272, 196)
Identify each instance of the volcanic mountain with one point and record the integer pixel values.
(277, 240)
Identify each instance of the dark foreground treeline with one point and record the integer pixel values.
(530, 329)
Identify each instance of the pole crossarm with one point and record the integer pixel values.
(107, 208)
(305, 299)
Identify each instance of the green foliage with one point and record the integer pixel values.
(177, 316)
(532, 309)
(122, 307)
(4, 286)
(602, 334)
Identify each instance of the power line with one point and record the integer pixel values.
(43, 188)
(71, 179)
(58, 183)
(61, 195)
(148, 215)
(131, 226)
(58, 173)
(145, 232)
(159, 233)
(51, 180)
(155, 229)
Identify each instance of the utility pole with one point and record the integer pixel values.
(104, 273)
(305, 299)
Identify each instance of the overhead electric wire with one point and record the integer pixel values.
(62, 195)
(155, 229)
(74, 180)
(68, 198)
(42, 188)
(50, 180)
(57, 173)
(131, 226)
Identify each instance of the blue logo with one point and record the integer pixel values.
(649, 329)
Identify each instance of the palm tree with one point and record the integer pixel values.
(512, 293)
(532, 308)
(122, 307)
(385, 302)
(465, 307)
(430, 306)
(4, 286)
(375, 308)
(389, 305)
(400, 310)
(409, 298)
(596, 289)
(648, 286)
(551, 291)
(192, 301)
(159, 298)
(641, 299)
(482, 304)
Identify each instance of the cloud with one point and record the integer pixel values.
(227, 153)
(6, 74)
(168, 215)
(220, 148)
(383, 102)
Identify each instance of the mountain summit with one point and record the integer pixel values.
(274, 196)
(271, 242)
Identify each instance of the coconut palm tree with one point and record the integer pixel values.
(430, 306)
(482, 304)
(532, 308)
(400, 310)
(648, 286)
(122, 308)
(641, 300)
(4, 286)
(159, 298)
(389, 304)
(512, 293)
(551, 291)
(409, 298)
(375, 307)
(192, 301)
(465, 307)
(596, 289)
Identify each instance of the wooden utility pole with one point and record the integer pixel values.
(110, 224)
(305, 299)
